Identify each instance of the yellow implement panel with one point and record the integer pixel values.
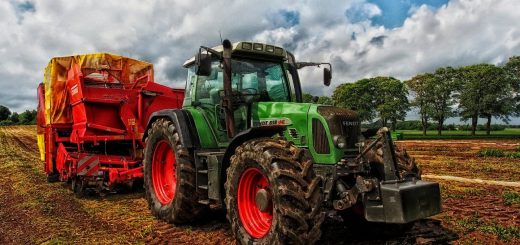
(57, 108)
(41, 145)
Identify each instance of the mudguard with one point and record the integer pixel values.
(184, 123)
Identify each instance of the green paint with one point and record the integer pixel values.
(270, 81)
(206, 133)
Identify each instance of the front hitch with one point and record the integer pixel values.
(400, 200)
(393, 199)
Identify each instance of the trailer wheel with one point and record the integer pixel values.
(169, 175)
(273, 195)
(78, 187)
(53, 177)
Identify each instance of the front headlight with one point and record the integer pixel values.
(340, 141)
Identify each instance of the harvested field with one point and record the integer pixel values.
(33, 211)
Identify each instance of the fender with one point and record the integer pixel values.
(183, 122)
(240, 138)
(252, 133)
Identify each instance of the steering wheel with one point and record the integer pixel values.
(249, 95)
(249, 91)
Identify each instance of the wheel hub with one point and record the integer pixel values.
(163, 172)
(254, 203)
(263, 200)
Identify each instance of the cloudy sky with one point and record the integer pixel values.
(361, 38)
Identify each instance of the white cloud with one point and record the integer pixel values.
(168, 32)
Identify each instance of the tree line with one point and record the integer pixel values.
(14, 118)
(470, 92)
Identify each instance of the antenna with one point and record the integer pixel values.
(220, 33)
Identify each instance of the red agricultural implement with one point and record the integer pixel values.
(243, 140)
(92, 114)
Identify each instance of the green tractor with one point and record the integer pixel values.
(244, 141)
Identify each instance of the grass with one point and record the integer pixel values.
(511, 197)
(502, 232)
(498, 153)
(470, 224)
(474, 223)
(508, 133)
(491, 153)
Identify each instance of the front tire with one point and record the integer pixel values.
(169, 175)
(273, 195)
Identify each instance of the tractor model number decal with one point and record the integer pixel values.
(272, 121)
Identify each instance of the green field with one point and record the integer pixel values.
(508, 133)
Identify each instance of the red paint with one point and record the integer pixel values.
(163, 172)
(104, 111)
(255, 222)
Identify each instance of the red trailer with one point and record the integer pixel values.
(92, 114)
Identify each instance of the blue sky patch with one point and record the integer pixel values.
(26, 7)
(395, 12)
(285, 18)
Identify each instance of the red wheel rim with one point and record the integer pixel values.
(163, 172)
(255, 221)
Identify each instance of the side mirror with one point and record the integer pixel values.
(203, 62)
(327, 76)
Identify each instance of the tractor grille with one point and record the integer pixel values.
(342, 121)
(320, 141)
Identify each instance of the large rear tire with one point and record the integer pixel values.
(273, 195)
(169, 175)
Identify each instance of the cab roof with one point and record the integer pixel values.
(251, 48)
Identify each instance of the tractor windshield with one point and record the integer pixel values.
(262, 79)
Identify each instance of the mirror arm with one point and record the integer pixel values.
(300, 65)
(211, 51)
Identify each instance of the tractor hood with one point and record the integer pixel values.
(312, 126)
(291, 115)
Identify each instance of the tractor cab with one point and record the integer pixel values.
(258, 73)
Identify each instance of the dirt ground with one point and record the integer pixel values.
(33, 211)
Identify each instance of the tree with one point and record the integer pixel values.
(384, 97)
(499, 100)
(307, 98)
(28, 117)
(391, 100)
(512, 69)
(442, 88)
(420, 86)
(486, 91)
(4, 113)
(325, 100)
(358, 96)
(15, 118)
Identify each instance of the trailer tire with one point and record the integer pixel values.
(179, 205)
(78, 187)
(290, 206)
(53, 177)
